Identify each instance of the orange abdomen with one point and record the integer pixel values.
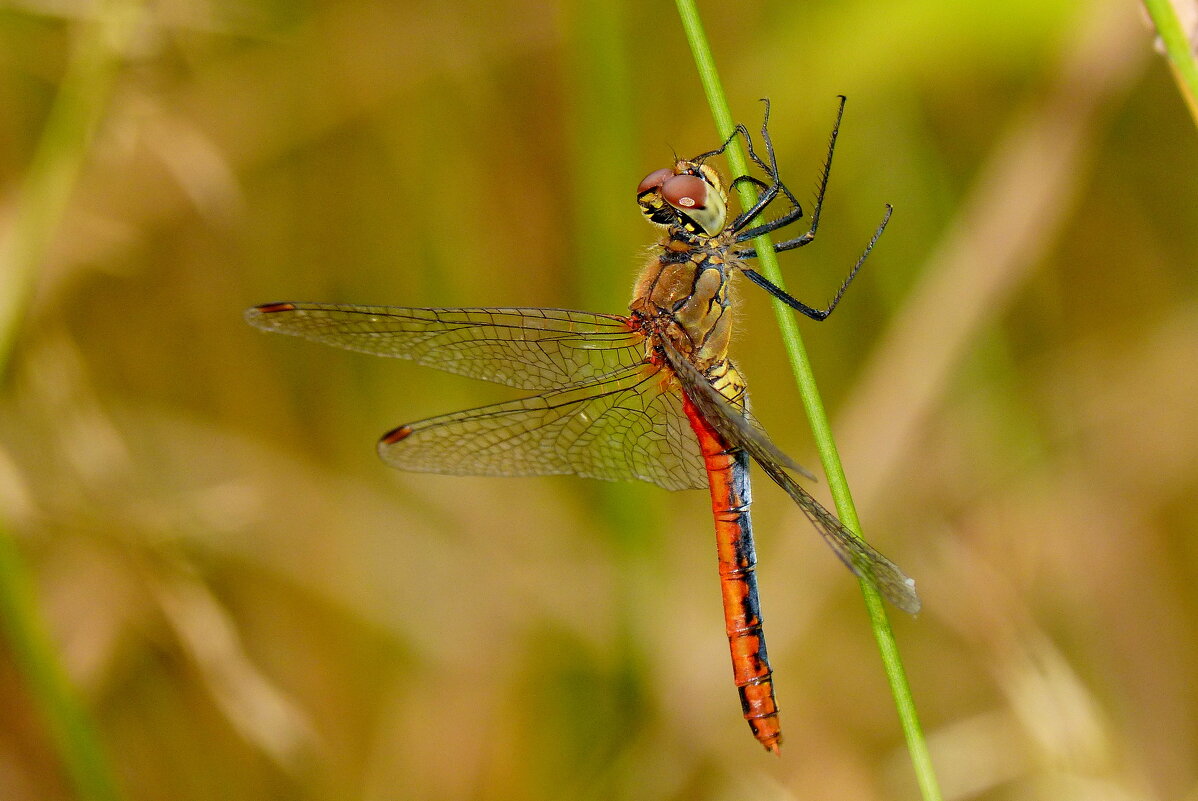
(728, 477)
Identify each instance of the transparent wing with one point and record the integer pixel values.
(623, 425)
(735, 428)
(538, 349)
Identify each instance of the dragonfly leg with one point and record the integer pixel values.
(770, 191)
(801, 307)
(769, 227)
(792, 216)
(739, 130)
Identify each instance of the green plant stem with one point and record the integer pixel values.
(36, 657)
(53, 173)
(1179, 49)
(814, 407)
(58, 159)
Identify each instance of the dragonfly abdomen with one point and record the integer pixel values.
(728, 479)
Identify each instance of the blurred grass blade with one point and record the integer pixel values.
(55, 168)
(1179, 49)
(813, 404)
(35, 656)
(59, 157)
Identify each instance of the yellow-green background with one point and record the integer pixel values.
(253, 606)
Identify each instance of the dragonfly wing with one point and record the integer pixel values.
(624, 425)
(733, 425)
(536, 349)
(857, 554)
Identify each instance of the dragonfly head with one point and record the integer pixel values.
(691, 196)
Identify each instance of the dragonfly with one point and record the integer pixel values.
(651, 395)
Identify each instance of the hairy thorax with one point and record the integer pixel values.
(684, 295)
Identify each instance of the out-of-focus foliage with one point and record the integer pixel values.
(255, 607)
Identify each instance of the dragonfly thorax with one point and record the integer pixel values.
(689, 199)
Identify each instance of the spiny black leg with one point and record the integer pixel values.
(769, 194)
(769, 145)
(770, 169)
(770, 191)
(823, 179)
(803, 308)
(781, 294)
(795, 213)
(757, 182)
(740, 130)
(799, 241)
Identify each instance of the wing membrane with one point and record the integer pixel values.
(623, 425)
(537, 349)
(866, 562)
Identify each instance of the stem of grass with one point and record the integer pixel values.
(53, 173)
(1179, 50)
(814, 407)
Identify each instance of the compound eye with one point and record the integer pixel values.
(685, 192)
(653, 180)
